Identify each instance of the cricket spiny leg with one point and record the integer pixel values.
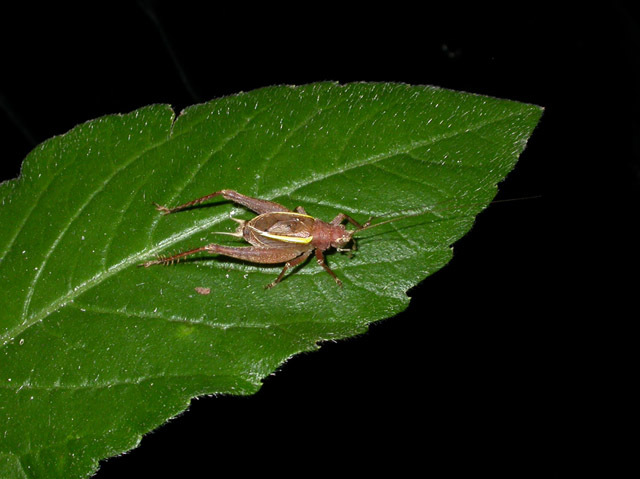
(288, 265)
(174, 258)
(321, 262)
(254, 204)
(251, 254)
(197, 201)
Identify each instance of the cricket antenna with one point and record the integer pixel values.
(368, 224)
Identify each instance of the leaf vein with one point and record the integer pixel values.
(295, 186)
(73, 218)
(172, 319)
(200, 165)
(303, 123)
(409, 178)
(34, 205)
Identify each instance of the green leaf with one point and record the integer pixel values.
(96, 352)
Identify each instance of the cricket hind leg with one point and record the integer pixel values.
(250, 254)
(255, 204)
(174, 258)
(292, 257)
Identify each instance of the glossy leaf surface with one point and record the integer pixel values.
(96, 351)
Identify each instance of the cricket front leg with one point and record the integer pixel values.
(341, 217)
(254, 204)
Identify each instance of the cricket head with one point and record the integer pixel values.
(341, 236)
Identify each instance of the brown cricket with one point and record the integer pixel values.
(277, 235)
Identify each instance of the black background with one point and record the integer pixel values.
(483, 372)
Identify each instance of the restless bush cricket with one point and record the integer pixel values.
(277, 235)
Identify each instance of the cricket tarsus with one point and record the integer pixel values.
(163, 209)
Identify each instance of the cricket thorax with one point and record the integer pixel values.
(326, 235)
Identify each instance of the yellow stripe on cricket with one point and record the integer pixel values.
(286, 239)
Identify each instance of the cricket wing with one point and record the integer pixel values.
(282, 229)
